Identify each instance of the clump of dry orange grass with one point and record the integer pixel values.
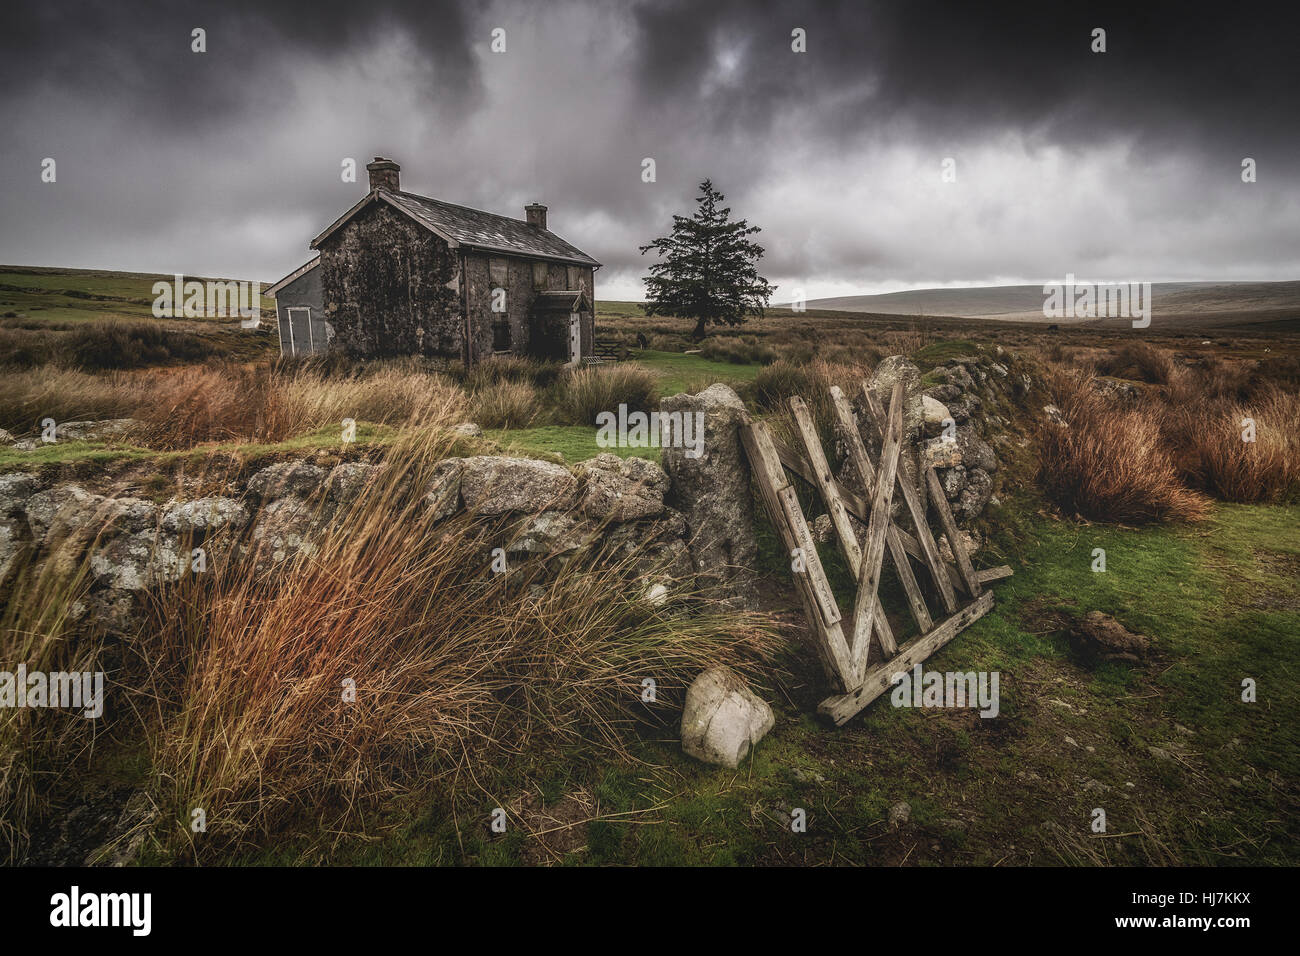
(1110, 462)
(505, 404)
(1211, 450)
(183, 407)
(776, 384)
(37, 628)
(1160, 457)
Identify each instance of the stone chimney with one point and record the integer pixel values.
(535, 213)
(383, 174)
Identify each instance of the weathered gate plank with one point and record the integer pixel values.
(929, 548)
(830, 491)
(873, 551)
(821, 586)
(940, 502)
(829, 640)
(994, 574)
(862, 463)
(826, 484)
(842, 707)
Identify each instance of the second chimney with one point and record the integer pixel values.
(535, 213)
(383, 174)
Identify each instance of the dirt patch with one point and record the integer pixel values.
(1285, 566)
(1099, 637)
(554, 830)
(1093, 638)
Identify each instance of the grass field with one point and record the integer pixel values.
(1185, 770)
(574, 443)
(81, 295)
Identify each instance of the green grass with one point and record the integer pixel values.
(67, 452)
(621, 309)
(53, 308)
(677, 370)
(574, 442)
(82, 295)
(937, 353)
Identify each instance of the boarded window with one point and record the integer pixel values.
(573, 279)
(499, 271)
(539, 276)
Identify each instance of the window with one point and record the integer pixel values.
(500, 332)
(539, 276)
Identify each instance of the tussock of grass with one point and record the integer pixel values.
(505, 405)
(65, 395)
(738, 350)
(777, 383)
(582, 394)
(388, 396)
(1211, 452)
(1110, 463)
(37, 628)
(1140, 361)
(508, 368)
(774, 385)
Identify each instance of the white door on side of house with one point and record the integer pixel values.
(575, 338)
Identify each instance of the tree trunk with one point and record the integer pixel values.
(698, 334)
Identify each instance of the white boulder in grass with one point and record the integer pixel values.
(723, 718)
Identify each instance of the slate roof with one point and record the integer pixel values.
(474, 228)
(302, 270)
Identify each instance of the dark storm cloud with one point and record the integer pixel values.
(135, 54)
(1125, 163)
(1170, 68)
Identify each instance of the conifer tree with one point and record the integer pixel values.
(709, 268)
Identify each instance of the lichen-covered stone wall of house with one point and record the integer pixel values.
(522, 279)
(391, 288)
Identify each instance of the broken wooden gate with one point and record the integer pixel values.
(845, 645)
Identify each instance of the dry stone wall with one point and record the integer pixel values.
(689, 526)
(129, 544)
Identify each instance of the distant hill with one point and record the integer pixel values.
(35, 293)
(1025, 302)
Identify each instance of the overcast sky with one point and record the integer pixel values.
(1112, 166)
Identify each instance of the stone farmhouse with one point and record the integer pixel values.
(402, 274)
